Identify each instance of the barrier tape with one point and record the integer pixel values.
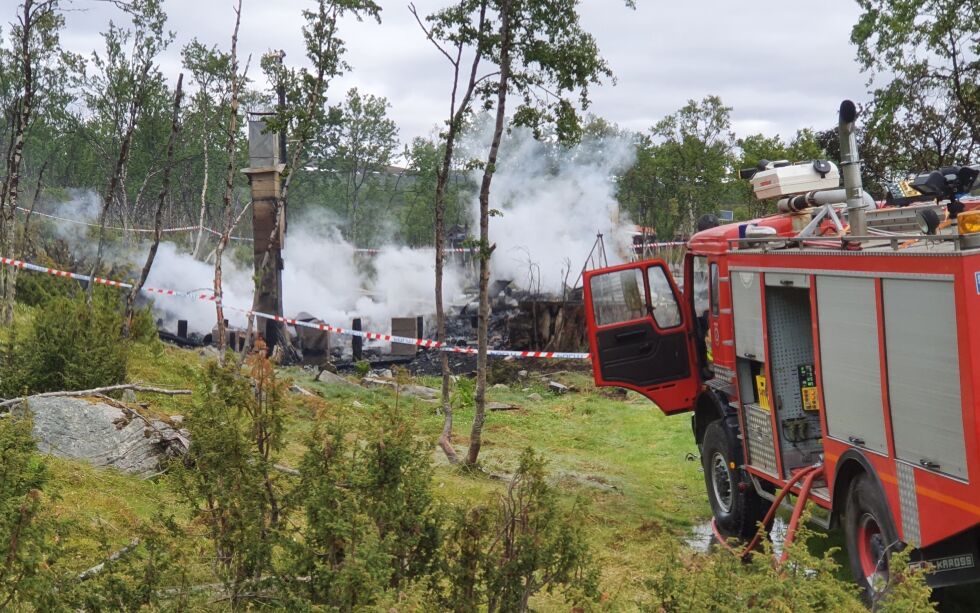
(372, 251)
(447, 250)
(377, 336)
(141, 230)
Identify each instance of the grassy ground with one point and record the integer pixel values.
(635, 469)
(622, 455)
(629, 464)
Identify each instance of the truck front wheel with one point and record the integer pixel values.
(734, 502)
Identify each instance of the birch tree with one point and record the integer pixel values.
(37, 74)
(544, 57)
(231, 137)
(460, 28)
(208, 69)
(122, 90)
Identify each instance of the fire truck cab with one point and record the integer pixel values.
(803, 349)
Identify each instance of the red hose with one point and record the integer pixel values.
(794, 521)
(803, 473)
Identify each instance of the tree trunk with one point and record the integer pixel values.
(204, 205)
(158, 216)
(486, 249)
(446, 438)
(119, 171)
(229, 187)
(8, 274)
(9, 199)
(442, 181)
(26, 246)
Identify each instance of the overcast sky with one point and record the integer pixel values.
(781, 64)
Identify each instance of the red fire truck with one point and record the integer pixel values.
(824, 360)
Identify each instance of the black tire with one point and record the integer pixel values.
(870, 535)
(737, 507)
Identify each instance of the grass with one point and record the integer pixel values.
(623, 457)
(635, 470)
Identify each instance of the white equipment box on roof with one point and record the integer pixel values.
(778, 181)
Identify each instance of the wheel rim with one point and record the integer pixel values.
(871, 551)
(721, 482)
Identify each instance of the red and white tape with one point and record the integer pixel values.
(377, 336)
(447, 250)
(137, 230)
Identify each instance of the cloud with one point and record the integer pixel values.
(781, 67)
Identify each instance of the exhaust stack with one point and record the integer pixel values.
(850, 162)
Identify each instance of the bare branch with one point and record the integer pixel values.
(98, 390)
(98, 568)
(428, 34)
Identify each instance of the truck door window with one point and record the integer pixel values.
(714, 289)
(666, 312)
(618, 297)
(700, 285)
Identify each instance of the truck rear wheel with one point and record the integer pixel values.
(734, 502)
(869, 534)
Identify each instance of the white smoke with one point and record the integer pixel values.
(553, 201)
(323, 276)
(83, 205)
(174, 268)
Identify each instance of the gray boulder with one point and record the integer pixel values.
(420, 391)
(331, 378)
(104, 435)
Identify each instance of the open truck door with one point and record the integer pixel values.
(640, 336)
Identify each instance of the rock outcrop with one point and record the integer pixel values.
(104, 435)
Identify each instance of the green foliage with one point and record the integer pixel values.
(35, 289)
(362, 368)
(68, 345)
(395, 478)
(463, 393)
(503, 371)
(418, 188)
(32, 540)
(928, 45)
(499, 556)
(143, 328)
(360, 145)
(925, 110)
(339, 551)
(227, 478)
(371, 523)
(721, 582)
(148, 573)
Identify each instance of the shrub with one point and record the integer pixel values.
(721, 582)
(68, 345)
(500, 556)
(393, 472)
(143, 327)
(362, 368)
(148, 574)
(31, 540)
(337, 549)
(464, 393)
(236, 424)
(371, 523)
(35, 289)
(503, 371)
